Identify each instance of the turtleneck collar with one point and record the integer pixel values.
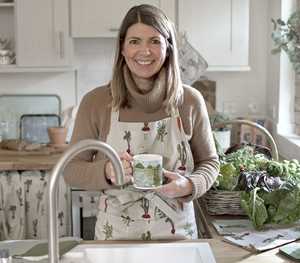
(148, 101)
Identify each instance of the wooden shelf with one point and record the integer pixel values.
(7, 4)
(15, 69)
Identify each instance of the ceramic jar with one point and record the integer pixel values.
(7, 57)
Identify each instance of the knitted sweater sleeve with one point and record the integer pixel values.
(86, 170)
(197, 126)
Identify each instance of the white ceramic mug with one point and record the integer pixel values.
(147, 170)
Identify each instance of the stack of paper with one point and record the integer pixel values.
(242, 233)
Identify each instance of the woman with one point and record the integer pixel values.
(146, 109)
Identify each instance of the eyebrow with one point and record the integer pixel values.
(154, 37)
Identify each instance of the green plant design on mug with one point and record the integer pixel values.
(147, 176)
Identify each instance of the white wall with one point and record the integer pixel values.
(93, 57)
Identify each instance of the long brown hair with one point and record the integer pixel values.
(152, 16)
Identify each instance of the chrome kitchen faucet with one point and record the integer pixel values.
(53, 185)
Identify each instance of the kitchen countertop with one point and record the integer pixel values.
(38, 160)
(225, 252)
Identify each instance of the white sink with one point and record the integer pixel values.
(191, 252)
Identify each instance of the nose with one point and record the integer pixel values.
(145, 49)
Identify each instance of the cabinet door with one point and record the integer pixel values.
(100, 18)
(42, 33)
(219, 30)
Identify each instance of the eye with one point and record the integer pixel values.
(133, 41)
(156, 41)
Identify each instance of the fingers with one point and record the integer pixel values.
(171, 175)
(125, 156)
(127, 167)
(177, 186)
(126, 164)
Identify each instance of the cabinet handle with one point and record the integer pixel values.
(113, 29)
(61, 44)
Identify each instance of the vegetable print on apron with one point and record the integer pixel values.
(132, 214)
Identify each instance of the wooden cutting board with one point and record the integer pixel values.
(45, 150)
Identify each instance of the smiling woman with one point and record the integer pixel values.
(146, 109)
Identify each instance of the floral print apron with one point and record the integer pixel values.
(132, 214)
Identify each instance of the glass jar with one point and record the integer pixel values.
(3, 130)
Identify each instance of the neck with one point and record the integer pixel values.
(143, 85)
(145, 94)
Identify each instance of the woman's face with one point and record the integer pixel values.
(144, 50)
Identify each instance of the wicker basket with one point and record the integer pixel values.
(223, 203)
(219, 202)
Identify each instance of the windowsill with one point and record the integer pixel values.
(288, 146)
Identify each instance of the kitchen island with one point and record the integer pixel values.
(224, 252)
(23, 195)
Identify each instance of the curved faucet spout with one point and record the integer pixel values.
(53, 185)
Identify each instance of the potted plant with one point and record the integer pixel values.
(286, 37)
(221, 130)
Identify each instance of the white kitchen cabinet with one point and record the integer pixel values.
(7, 32)
(219, 30)
(100, 18)
(42, 33)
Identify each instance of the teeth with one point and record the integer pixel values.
(142, 62)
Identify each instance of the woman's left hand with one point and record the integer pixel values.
(177, 185)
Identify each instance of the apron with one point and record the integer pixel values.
(133, 214)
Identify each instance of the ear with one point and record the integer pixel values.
(168, 52)
(122, 49)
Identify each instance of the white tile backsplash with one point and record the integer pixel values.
(94, 60)
(88, 80)
(61, 84)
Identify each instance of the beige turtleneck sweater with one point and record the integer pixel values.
(86, 171)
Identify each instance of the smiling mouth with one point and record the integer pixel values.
(144, 62)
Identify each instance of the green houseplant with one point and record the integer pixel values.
(221, 131)
(286, 37)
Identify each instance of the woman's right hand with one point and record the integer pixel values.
(126, 159)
